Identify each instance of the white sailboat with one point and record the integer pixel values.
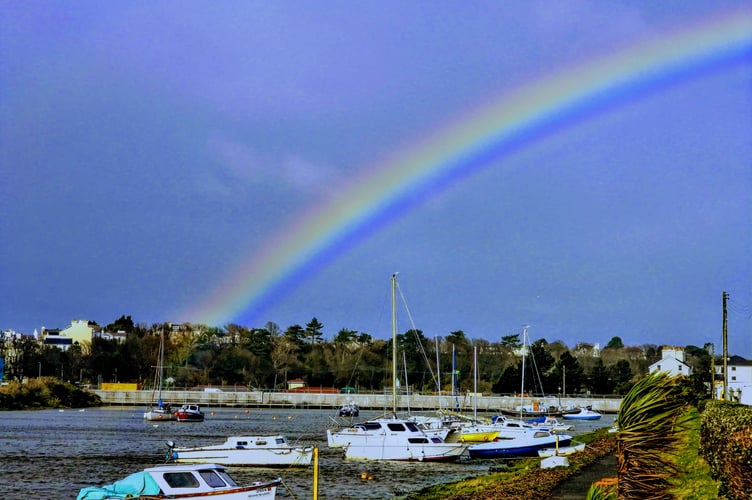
(161, 411)
(393, 438)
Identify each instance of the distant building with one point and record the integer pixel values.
(118, 336)
(671, 362)
(739, 380)
(79, 331)
(296, 383)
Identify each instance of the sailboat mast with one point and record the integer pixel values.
(438, 371)
(524, 353)
(475, 383)
(161, 364)
(394, 343)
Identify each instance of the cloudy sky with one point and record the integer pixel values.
(220, 162)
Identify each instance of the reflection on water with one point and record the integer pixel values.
(53, 454)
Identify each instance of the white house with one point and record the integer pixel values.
(671, 362)
(739, 380)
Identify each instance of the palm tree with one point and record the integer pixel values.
(650, 429)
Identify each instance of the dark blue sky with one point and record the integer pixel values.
(147, 149)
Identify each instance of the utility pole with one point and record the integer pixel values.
(725, 348)
(712, 371)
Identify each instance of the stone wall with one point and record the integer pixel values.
(365, 401)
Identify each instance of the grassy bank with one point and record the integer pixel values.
(45, 392)
(523, 479)
(693, 480)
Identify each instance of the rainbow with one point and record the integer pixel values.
(502, 126)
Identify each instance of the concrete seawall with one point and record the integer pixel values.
(256, 399)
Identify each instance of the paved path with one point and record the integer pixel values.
(577, 486)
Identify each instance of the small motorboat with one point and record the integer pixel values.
(259, 451)
(562, 451)
(181, 481)
(189, 413)
(551, 423)
(349, 409)
(584, 414)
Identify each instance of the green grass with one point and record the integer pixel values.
(525, 479)
(522, 479)
(693, 480)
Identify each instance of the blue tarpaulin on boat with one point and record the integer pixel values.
(140, 483)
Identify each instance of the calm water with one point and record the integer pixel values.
(53, 454)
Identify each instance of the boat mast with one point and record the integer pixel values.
(161, 365)
(524, 353)
(454, 379)
(394, 343)
(407, 384)
(475, 384)
(438, 371)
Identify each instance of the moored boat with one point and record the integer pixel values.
(583, 414)
(189, 413)
(524, 444)
(551, 423)
(349, 409)
(393, 438)
(561, 451)
(477, 435)
(162, 410)
(260, 451)
(181, 481)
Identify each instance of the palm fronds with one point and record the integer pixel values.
(650, 429)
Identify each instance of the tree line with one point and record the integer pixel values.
(266, 358)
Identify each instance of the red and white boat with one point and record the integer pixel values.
(189, 413)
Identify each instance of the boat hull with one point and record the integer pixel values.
(254, 451)
(233, 458)
(181, 481)
(155, 415)
(189, 413)
(517, 447)
(561, 451)
(393, 439)
(439, 452)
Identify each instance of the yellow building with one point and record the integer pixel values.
(80, 330)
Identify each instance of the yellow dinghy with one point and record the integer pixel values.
(478, 436)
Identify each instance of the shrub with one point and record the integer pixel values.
(45, 392)
(726, 445)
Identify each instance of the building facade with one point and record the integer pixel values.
(672, 362)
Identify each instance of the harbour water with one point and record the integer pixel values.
(52, 454)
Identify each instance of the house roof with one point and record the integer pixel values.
(738, 361)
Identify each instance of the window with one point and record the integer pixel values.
(412, 427)
(680, 367)
(181, 480)
(226, 477)
(396, 427)
(212, 479)
(420, 440)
